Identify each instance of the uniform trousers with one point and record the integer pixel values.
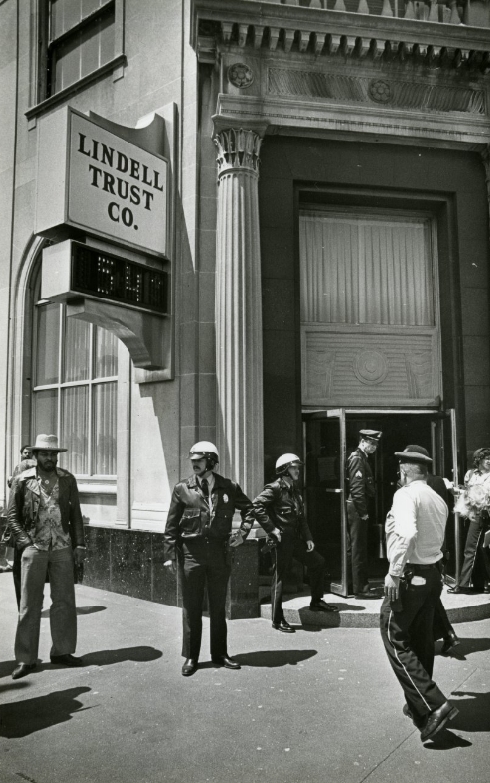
(409, 641)
(474, 549)
(204, 563)
(291, 545)
(36, 564)
(357, 548)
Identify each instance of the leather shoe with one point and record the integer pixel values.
(283, 626)
(449, 641)
(22, 669)
(463, 590)
(437, 720)
(189, 667)
(227, 662)
(321, 606)
(67, 660)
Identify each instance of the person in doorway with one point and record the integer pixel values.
(46, 521)
(361, 492)
(474, 503)
(26, 462)
(198, 532)
(442, 627)
(415, 529)
(279, 510)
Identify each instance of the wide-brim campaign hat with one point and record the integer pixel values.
(46, 443)
(414, 453)
(372, 435)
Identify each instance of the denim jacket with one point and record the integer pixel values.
(23, 507)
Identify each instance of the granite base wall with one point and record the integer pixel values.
(131, 562)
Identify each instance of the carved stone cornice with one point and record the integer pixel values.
(238, 149)
(274, 26)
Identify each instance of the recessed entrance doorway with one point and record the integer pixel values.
(330, 436)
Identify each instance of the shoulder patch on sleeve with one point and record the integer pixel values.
(359, 474)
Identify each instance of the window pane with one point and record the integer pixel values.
(105, 428)
(48, 342)
(106, 345)
(88, 6)
(45, 418)
(77, 349)
(72, 13)
(67, 63)
(89, 49)
(56, 18)
(107, 38)
(75, 429)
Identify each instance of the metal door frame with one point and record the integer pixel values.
(438, 450)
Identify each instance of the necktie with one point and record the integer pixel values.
(205, 488)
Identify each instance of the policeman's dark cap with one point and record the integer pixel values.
(416, 454)
(372, 435)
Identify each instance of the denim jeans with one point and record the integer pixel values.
(62, 615)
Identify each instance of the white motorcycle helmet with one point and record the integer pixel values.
(204, 449)
(287, 461)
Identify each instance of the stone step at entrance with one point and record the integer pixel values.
(360, 613)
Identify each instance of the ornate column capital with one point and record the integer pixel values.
(238, 148)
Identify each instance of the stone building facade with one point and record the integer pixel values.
(327, 251)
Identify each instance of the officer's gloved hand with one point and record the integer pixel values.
(236, 538)
(276, 535)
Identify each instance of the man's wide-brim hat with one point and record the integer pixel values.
(372, 435)
(415, 454)
(46, 443)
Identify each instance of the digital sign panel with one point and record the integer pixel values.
(105, 276)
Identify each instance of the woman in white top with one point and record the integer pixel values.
(475, 504)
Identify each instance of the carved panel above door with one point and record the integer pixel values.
(350, 367)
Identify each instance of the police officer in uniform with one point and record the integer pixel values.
(361, 490)
(279, 510)
(415, 529)
(198, 531)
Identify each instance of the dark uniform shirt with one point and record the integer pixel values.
(361, 481)
(191, 515)
(281, 505)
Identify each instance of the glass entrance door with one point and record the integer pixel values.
(325, 454)
(329, 436)
(446, 460)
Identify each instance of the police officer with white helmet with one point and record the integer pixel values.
(280, 511)
(198, 527)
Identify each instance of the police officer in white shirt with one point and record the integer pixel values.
(414, 535)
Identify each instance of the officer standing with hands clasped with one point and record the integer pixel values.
(414, 536)
(279, 510)
(198, 531)
(361, 491)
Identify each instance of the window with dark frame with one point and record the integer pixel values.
(80, 38)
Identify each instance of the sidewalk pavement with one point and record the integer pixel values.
(320, 706)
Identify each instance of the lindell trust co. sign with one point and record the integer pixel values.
(97, 182)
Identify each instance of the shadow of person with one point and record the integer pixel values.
(80, 610)
(274, 658)
(446, 740)
(7, 667)
(21, 718)
(14, 686)
(474, 711)
(467, 646)
(108, 657)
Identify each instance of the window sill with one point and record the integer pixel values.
(62, 95)
(84, 488)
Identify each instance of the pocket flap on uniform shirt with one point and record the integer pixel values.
(190, 513)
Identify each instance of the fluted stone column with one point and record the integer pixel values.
(239, 309)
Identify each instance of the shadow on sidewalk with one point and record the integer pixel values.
(108, 657)
(467, 647)
(274, 658)
(7, 667)
(22, 718)
(80, 610)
